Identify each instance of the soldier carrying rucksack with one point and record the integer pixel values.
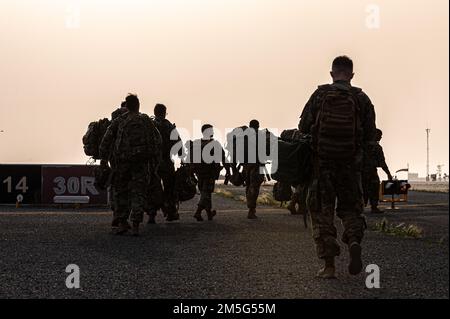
(341, 120)
(133, 142)
(166, 169)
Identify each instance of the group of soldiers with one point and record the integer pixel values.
(339, 117)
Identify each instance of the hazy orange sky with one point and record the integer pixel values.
(223, 62)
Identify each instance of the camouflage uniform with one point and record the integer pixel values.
(299, 198)
(253, 180)
(207, 173)
(373, 158)
(131, 174)
(166, 170)
(334, 180)
(114, 115)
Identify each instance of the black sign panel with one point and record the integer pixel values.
(20, 182)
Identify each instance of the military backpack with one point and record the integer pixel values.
(337, 126)
(93, 137)
(135, 139)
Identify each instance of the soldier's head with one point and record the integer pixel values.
(254, 124)
(378, 135)
(160, 111)
(132, 102)
(207, 131)
(123, 105)
(342, 69)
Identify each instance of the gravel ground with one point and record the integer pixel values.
(230, 257)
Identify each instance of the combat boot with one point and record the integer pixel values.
(252, 214)
(355, 265)
(121, 229)
(135, 229)
(198, 215)
(376, 210)
(173, 217)
(329, 270)
(211, 214)
(291, 207)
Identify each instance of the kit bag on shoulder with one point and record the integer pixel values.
(93, 137)
(294, 161)
(134, 141)
(185, 184)
(337, 127)
(291, 135)
(282, 191)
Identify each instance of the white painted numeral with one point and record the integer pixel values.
(8, 182)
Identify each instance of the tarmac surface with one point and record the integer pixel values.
(230, 257)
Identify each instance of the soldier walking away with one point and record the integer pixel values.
(166, 169)
(134, 143)
(211, 155)
(373, 158)
(252, 174)
(117, 113)
(341, 120)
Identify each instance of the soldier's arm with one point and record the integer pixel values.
(156, 139)
(382, 162)
(307, 117)
(368, 118)
(106, 144)
(179, 142)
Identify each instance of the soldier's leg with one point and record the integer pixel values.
(208, 191)
(303, 193)
(365, 186)
(138, 188)
(201, 201)
(374, 192)
(321, 205)
(255, 181)
(349, 209)
(121, 202)
(154, 198)
(295, 200)
(169, 207)
(115, 222)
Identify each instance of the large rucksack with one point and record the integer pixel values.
(337, 126)
(135, 140)
(291, 135)
(294, 161)
(185, 184)
(93, 137)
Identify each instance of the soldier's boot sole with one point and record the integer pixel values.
(327, 273)
(355, 265)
